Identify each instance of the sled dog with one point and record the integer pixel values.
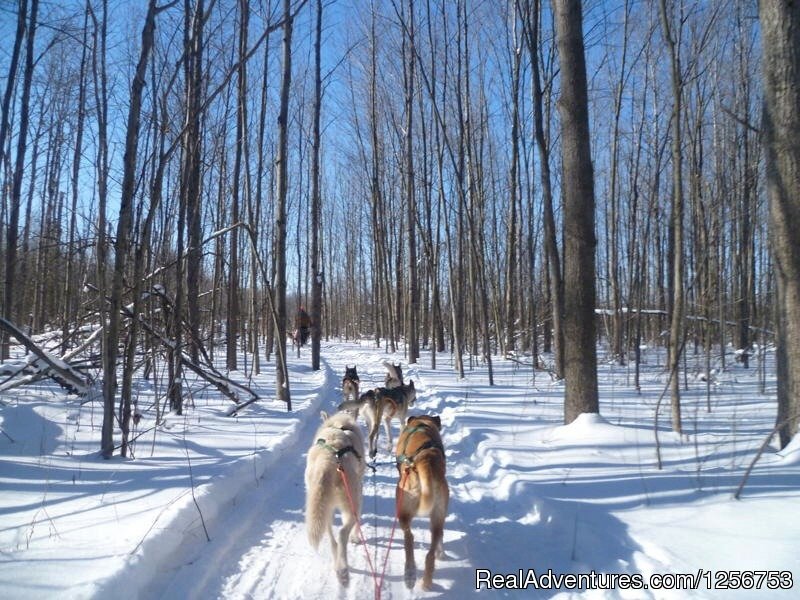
(422, 490)
(365, 405)
(390, 403)
(394, 375)
(350, 383)
(337, 443)
(381, 405)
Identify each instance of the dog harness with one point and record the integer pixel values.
(403, 458)
(338, 452)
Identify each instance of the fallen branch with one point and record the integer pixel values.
(764, 444)
(229, 388)
(59, 370)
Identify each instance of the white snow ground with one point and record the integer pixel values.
(526, 492)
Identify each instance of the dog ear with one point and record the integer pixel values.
(437, 420)
(411, 384)
(323, 415)
(410, 419)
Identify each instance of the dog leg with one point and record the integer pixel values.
(334, 549)
(387, 425)
(357, 497)
(408, 540)
(437, 533)
(342, 571)
(374, 429)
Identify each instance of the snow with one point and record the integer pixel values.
(527, 492)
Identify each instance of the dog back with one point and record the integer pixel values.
(421, 453)
(338, 443)
(397, 399)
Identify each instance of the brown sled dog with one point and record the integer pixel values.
(422, 490)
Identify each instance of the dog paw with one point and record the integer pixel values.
(411, 576)
(343, 575)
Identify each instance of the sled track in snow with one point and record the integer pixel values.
(259, 547)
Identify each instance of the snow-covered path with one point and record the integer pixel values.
(259, 548)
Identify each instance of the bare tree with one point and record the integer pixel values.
(676, 332)
(12, 234)
(232, 314)
(70, 293)
(124, 224)
(614, 195)
(100, 79)
(580, 355)
(513, 225)
(282, 382)
(780, 27)
(317, 273)
(191, 184)
(409, 60)
(531, 21)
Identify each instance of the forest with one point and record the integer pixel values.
(178, 178)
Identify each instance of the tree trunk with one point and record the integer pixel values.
(780, 27)
(12, 235)
(676, 333)
(70, 291)
(282, 380)
(412, 334)
(191, 187)
(511, 243)
(122, 244)
(316, 202)
(580, 354)
(555, 280)
(233, 312)
(100, 77)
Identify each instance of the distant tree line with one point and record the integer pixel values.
(184, 175)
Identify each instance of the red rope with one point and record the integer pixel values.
(394, 527)
(378, 582)
(358, 518)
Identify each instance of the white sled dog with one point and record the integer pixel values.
(338, 442)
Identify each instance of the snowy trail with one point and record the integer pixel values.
(526, 492)
(260, 549)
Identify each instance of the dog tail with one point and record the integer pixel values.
(394, 371)
(319, 512)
